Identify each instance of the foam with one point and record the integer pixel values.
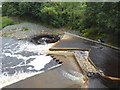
(40, 60)
(74, 76)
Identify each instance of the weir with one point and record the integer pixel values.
(86, 64)
(104, 58)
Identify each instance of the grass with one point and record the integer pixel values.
(6, 21)
(56, 33)
(92, 33)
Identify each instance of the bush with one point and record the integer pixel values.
(90, 32)
(6, 21)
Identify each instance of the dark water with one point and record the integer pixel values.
(104, 57)
(98, 82)
(108, 60)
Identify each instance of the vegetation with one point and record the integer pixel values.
(6, 21)
(0, 22)
(92, 20)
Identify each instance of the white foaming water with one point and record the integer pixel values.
(26, 46)
(74, 76)
(40, 62)
(15, 50)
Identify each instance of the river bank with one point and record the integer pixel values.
(26, 27)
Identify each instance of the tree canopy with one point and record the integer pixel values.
(94, 20)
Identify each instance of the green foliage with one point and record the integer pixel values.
(24, 8)
(104, 16)
(7, 21)
(94, 20)
(93, 33)
(9, 9)
(0, 22)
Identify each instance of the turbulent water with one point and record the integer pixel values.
(20, 59)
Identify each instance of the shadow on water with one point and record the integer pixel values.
(98, 81)
(107, 60)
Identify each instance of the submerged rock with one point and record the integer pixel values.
(44, 39)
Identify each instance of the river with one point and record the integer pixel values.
(21, 59)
